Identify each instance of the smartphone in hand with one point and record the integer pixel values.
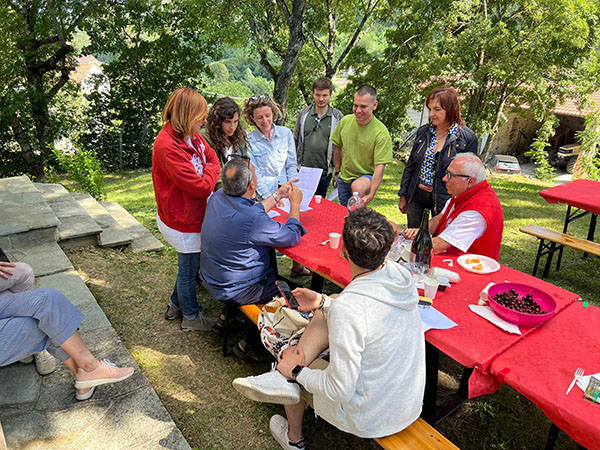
(286, 293)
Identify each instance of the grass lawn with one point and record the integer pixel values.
(193, 380)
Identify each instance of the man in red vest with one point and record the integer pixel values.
(472, 219)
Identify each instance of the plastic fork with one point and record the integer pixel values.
(578, 374)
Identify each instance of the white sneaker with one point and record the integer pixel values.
(279, 430)
(270, 387)
(45, 363)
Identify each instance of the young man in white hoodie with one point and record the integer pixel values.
(374, 383)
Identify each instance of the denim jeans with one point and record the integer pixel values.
(345, 189)
(184, 292)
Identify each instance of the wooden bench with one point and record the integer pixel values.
(419, 435)
(555, 242)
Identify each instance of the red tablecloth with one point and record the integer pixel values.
(475, 342)
(583, 194)
(541, 368)
(324, 218)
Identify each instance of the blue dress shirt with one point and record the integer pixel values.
(274, 159)
(237, 234)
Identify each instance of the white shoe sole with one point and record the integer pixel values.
(85, 396)
(265, 395)
(100, 381)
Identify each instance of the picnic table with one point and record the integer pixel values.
(475, 343)
(541, 368)
(582, 197)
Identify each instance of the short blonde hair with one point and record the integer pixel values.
(184, 109)
(258, 101)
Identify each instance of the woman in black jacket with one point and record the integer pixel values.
(435, 145)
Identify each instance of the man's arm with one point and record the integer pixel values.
(375, 182)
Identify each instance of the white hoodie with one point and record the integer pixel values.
(375, 380)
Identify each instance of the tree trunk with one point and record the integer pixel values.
(27, 150)
(292, 55)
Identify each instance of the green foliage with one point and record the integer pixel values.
(83, 168)
(589, 158)
(219, 71)
(538, 153)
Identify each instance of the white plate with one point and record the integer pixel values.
(489, 265)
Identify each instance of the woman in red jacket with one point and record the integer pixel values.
(184, 171)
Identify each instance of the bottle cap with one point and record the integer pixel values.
(355, 193)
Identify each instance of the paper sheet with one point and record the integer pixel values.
(431, 318)
(309, 178)
(273, 214)
(488, 313)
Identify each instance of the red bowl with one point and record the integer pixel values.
(545, 300)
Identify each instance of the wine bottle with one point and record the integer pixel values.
(421, 250)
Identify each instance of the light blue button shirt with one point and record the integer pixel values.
(274, 160)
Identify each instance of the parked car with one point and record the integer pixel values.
(504, 163)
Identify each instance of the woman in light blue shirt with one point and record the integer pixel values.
(271, 148)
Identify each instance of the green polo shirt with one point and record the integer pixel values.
(316, 139)
(364, 146)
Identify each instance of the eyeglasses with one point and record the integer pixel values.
(256, 98)
(450, 175)
(233, 156)
(317, 124)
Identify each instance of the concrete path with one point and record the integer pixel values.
(42, 412)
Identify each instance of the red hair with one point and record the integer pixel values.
(448, 99)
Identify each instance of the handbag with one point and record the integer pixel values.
(280, 326)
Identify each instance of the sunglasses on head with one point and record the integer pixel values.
(236, 156)
(256, 98)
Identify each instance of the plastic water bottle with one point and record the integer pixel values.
(355, 202)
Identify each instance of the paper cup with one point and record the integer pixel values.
(430, 287)
(334, 240)
(318, 198)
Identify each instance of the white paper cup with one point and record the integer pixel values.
(318, 198)
(334, 240)
(430, 287)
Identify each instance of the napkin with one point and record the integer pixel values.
(488, 313)
(582, 383)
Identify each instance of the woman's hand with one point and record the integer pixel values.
(307, 300)
(402, 205)
(4, 272)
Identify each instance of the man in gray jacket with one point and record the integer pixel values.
(314, 127)
(374, 383)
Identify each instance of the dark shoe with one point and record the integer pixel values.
(247, 354)
(173, 312)
(302, 272)
(200, 323)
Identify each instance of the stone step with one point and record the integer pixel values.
(77, 228)
(45, 259)
(25, 218)
(113, 234)
(143, 240)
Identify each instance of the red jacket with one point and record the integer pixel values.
(483, 199)
(183, 179)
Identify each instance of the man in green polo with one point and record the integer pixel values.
(313, 130)
(362, 146)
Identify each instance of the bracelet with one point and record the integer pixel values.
(276, 196)
(322, 301)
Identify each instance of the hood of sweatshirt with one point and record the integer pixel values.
(391, 278)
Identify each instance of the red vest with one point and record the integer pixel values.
(483, 199)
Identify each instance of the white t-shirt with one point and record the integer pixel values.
(181, 242)
(464, 229)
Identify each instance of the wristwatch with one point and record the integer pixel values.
(276, 197)
(296, 371)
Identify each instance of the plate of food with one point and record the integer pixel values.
(521, 304)
(478, 263)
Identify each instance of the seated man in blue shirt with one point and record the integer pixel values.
(237, 235)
